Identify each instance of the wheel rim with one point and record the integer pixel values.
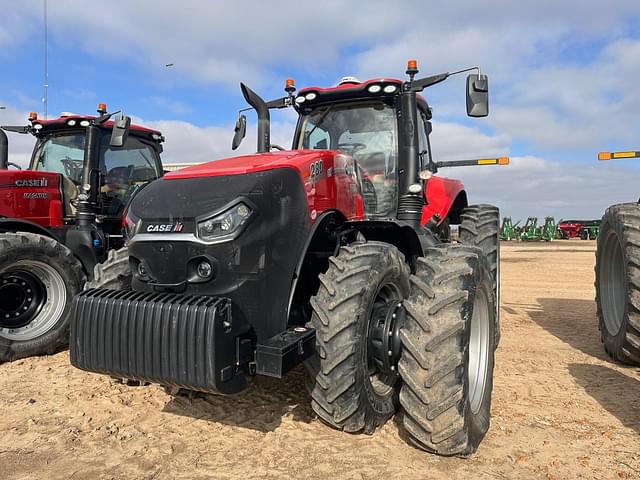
(479, 345)
(611, 283)
(33, 297)
(383, 344)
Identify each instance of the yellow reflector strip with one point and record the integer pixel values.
(604, 156)
(488, 161)
(624, 154)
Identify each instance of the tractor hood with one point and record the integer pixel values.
(299, 160)
(33, 196)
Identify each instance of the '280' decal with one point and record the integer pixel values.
(316, 169)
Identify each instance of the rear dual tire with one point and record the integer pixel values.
(448, 351)
(347, 391)
(446, 406)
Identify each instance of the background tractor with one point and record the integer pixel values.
(335, 253)
(63, 216)
(617, 277)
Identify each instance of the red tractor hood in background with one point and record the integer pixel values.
(33, 196)
(326, 191)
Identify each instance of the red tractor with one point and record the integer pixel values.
(335, 253)
(61, 217)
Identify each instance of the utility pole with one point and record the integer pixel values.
(46, 65)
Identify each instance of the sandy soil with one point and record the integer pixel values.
(560, 408)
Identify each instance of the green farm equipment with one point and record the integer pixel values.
(509, 230)
(590, 231)
(550, 230)
(530, 231)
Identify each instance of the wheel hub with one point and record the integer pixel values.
(22, 296)
(384, 345)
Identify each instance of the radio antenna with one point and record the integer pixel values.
(45, 97)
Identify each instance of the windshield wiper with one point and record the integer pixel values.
(320, 120)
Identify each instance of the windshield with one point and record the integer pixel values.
(62, 154)
(367, 132)
(125, 169)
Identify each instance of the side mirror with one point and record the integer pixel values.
(477, 95)
(240, 131)
(120, 131)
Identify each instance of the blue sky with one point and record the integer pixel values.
(563, 78)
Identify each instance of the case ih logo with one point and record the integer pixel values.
(32, 182)
(165, 227)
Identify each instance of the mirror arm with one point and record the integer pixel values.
(421, 84)
(278, 103)
(16, 129)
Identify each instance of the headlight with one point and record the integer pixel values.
(390, 89)
(375, 88)
(225, 224)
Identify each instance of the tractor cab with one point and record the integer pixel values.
(60, 158)
(380, 129)
(364, 127)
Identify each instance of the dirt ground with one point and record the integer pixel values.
(561, 409)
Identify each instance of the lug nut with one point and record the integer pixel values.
(141, 270)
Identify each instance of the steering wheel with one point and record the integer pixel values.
(352, 146)
(277, 147)
(11, 164)
(72, 168)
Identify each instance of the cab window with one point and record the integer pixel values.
(423, 143)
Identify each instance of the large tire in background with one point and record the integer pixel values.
(38, 278)
(448, 351)
(352, 383)
(618, 282)
(114, 272)
(480, 227)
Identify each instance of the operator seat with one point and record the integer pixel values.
(69, 195)
(375, 168)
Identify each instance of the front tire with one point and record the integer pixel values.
(617, 284)
(353, 384)
(114, 273)
(38, 278)
(448, 351)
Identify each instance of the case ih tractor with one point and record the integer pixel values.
(334, 253)
(617, 274)
(61, 217)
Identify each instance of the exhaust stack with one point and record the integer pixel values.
(4, 150)
(262, 109)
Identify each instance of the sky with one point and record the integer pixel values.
(563, 79)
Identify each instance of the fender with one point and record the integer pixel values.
(16, 225)
(445, 197)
